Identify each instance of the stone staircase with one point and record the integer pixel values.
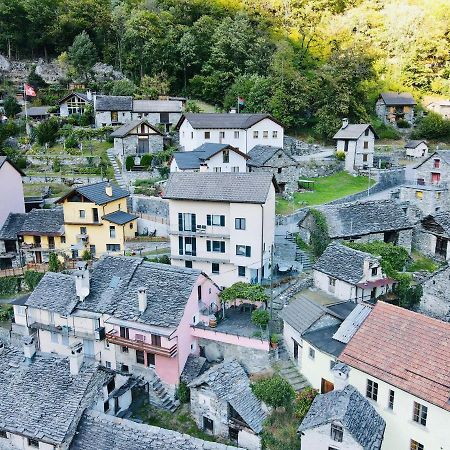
(300, 255)
(158, 395)
(292, 375)
(117, 172)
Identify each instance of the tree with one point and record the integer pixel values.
(47, 132)
(35, 79)
(82, 55)
(153, 86)
(433, 126)
(123, 87)
(11, 107)
(53, 262)
(274, 391)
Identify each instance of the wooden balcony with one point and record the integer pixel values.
(140, 345)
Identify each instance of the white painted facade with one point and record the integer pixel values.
(358, 152)
(258, 235)
(291, 339)
(319, 438)
(419, 151)
(265, 132)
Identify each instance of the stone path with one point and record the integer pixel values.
(117, 172)
(289, 371)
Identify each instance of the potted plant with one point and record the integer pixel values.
(274, 340)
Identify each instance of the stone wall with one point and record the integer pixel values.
(297, 147)
(154, 206)
(65, 159)
(63, 179)
(436, 295)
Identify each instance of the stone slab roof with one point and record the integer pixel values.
(35, 111)
(397, 98)
(96, 193)
(98, 431)
(260, 154)
(12, 225)
(322, 339)
(219, 187)
(406, 349)
(44, 222)
(119, 217)
(223, 120)
(353, 131)
(113, 103)
(344, 263)
(350, 408)
(125, 129)
(442, 154)
(414, 143)
(195, 365)
(157, 106)
(441, 218)
(41, 399)
(361, 218)
(230, 382)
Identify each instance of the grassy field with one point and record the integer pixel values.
(325, 190)
(90, 148)
(35, 189)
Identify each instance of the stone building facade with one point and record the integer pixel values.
(435, 300)
(392, 107)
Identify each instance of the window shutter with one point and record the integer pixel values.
(193, 222)
(208, 246)
(194, 247)
(180, 245)
(222, 221)
(208, 219)
(248, 251)
(222, 247)
(180, 222)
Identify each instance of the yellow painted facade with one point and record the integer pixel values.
(37, 248)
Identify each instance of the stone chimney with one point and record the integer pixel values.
(76, 358)
(344, 123)
(82, 281)
(29, 348)
(142, 298)
(108, 189)
(340, 372)
(203, 168)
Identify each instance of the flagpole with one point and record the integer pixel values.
(238, 105)
(26, 111)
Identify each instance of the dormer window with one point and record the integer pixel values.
(337, 432)
(437, 163)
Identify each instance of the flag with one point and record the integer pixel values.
(29, 91)
(241, 101)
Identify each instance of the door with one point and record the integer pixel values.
(326, 386)
(95, 215)
(441, 247)
(38, 257)
(143, 146)
(296, 347)
(88, 347)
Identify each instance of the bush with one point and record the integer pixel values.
(56, 166)
(319, 236)
(432, 126)
(32, 279)
(86, 256)
(384, 131)
(260, 317)
(183, 392)
(422, 264)
(9, 286)
(6, 313)
(244, 291)
(129, 162)
(71, 141)
(53, 262)
(274, 391)
(340, 155)
(47, 132)
(402, 123)
(146, 160)
(304, 401)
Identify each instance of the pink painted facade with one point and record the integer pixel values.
(11, 192)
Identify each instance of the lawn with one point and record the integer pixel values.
(90, 148)
(35, 189)
(325, 190)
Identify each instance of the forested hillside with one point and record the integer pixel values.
(309, 62)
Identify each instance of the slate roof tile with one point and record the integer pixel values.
(113, 103)
(223, 120)
(119, 217)
(12, 226)
(43, 221)
(397, 98)
(125, 129)
(353, 131)
(260, 154)
(157, 106)
(96, 192)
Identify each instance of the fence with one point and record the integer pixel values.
(157, 219)
(43, 267)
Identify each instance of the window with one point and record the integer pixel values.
(106, 406)
(124, 349)
(372, 390)
(235, 169)
(365, 157)
(207, 135)
(156, 340)
(111, 386)
(437, 163)
(188, 264)
(437, 195)
(243, 250)
(255, 135)
(63, 239)
(215, 246)
(274, 134)
(217, 169)
(312, 353)
(113, 247)
(337, 432)
(131, 226)
(33, 443)
(164, 117)
(124, 332)
(331, 284)
(415, 445)
(108, 364)
(391, 399)
(150, 359)
(215, 220)
(124, 368)
(366, 144)
(83, 230)
(112, 231)
(366, 133)
(215, 268)
(82, 213)
(419, 195)
(187, 246)
(140, 357)
(95, 215)
(208, 424)
(279, 169)
(374, 271)
(435, 177)
(239, 223)
(241, 271)
(222, 135)
(186, 222)
(3, 434)
(192, 135)
(92, 249)
(226, 155)
(199, 292)
(332, 364)
(236, 134)
(420, 414)
(265, 134)
(114, 116)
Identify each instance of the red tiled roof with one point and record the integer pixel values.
(405, 349)
(376, 283)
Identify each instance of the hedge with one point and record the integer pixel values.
(9, 286)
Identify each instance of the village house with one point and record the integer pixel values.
(161, 113)
(96, 220)
(35, 113)
(11, 189)
(405, 375)
(362, 221)
(435, 300)
(10, 252)
(342, 419)
(279, 162)
(223, 404)
(441, 107)
(357, 141)
(392, 107)
(416, 148)
(112, 110)
(75, 103)
(210, 158)
(432, 236)
(136, 138)
(242, 131)
(222, 224)
(350, 274)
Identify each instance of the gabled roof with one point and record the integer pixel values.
(223, 120)
(156, 106)
(404, 349)
(227, 187)
(113, 103)
(76, 94)
(353, 411)
(119, 217)
(260, 154)
(438, 222)
(35, 111)
(397, 98)
(414, 143)
(4, 159)
(443, 154)
(96, 193)
(12, 226)
(125, 129)
(48, 222)
(230, 382)
(344, 263)
(354, 131)
(322, 339)
(352, 322)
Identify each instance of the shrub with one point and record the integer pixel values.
(402, 123)
(47, 132)
(71, 141)
(260, 317)
(303, 402)
(183, 392)
(432, 126)
(6, 312)
(319, 236)
(129, 162)
(384, 131)
(146, 160)
(32, 279)
(56, 166)
(21, 163)
(9, 286)
(53, 262)
(340, 155)
(86, 256)
(245, 291)
(274, 391)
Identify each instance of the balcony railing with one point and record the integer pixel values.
(140, 345)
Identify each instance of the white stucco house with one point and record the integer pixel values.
(441, 107)
(416, 148)
(75, 103)
(11, 189)
(210, 158)
(357, 141)
(222, 224)
(242, 131)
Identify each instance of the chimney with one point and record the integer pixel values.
(203, 167)
(340, 372)
(89, 94)
(108, 189)
(29, 348)
(82, 281)
(76, 358)
(142, 298)
(344, 123)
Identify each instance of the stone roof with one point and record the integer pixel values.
(227, 187)
(441, 218)
(113, 103)
(12, 225)
(98, 431)
(125, 129)
(43, 221)
(404, 349)
(157, 106)
(223, 120)
(260, 154)
(35, 111)
(353, 411)
(442, 154)
(344, 263)
(361, 218)
(3, 159)
(195, 365)
(414, 143)
(353, 131)
(230, 382)
(397, 98)
(119, 217)
(96, 193)
(41, 399)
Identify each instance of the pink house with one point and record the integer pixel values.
(11, 189)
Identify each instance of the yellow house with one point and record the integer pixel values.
(96, 219)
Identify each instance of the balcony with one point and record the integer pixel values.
(223, 233)
(113, 338)
(98, 334)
